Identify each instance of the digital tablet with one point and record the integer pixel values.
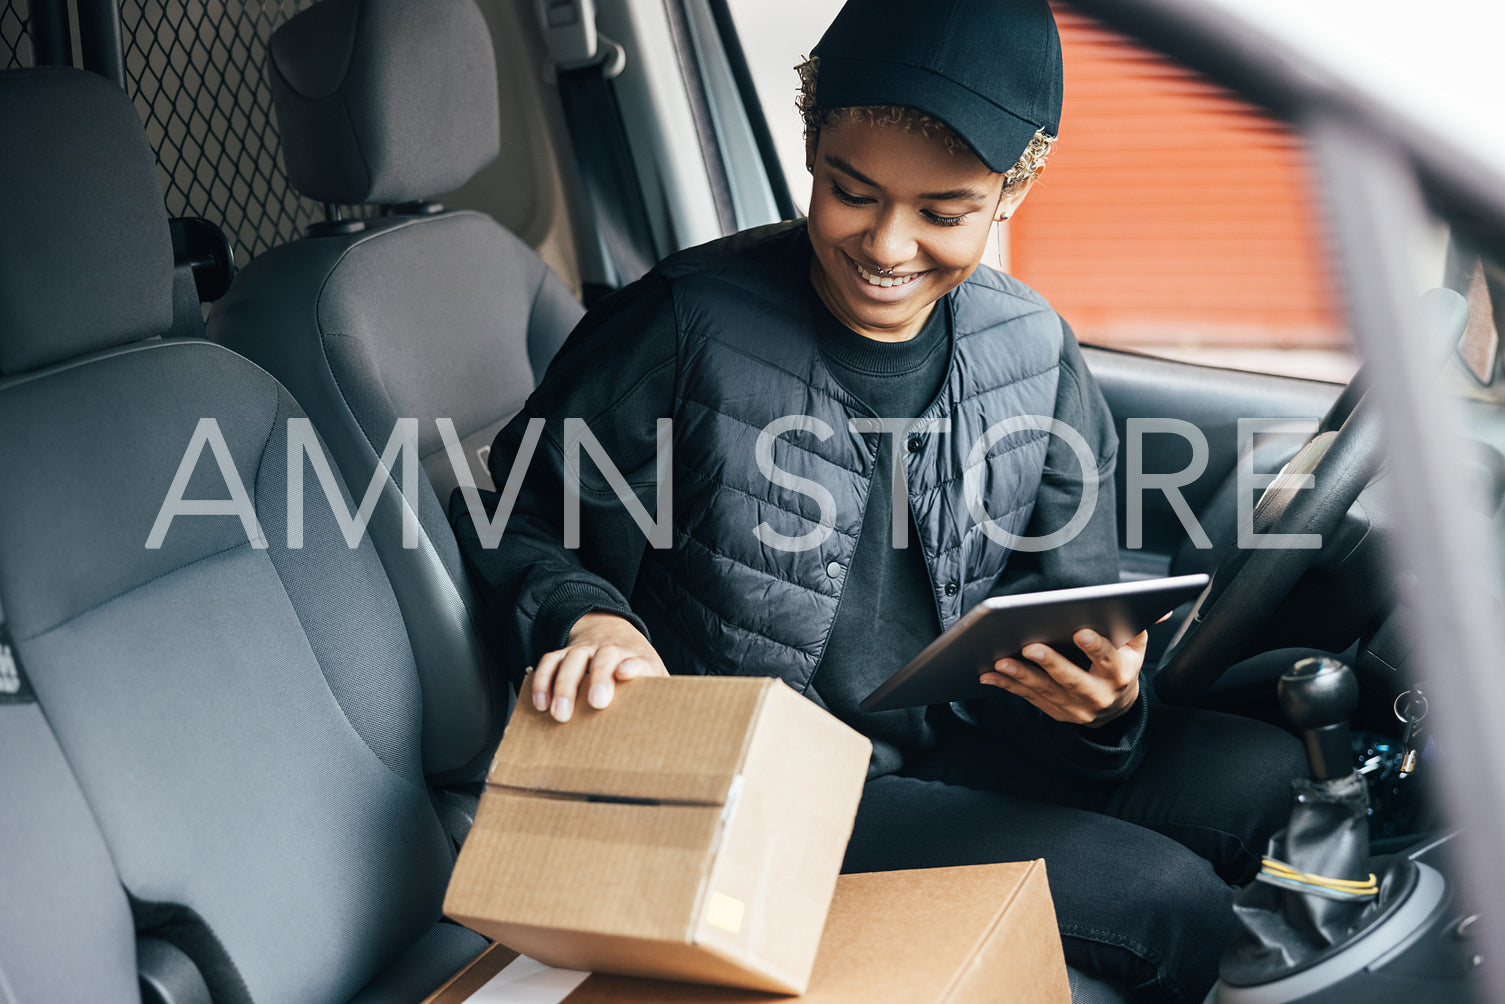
(1000, 627)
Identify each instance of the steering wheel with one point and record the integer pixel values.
(1311, 495)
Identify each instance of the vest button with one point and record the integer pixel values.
(833, 569)
(951, 588)
(915, 444)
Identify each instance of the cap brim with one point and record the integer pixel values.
(994, 133)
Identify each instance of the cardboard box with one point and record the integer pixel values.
(982, 933)
(693, 830)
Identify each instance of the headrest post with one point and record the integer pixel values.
(332, 213)
(99, 39)
(51, 38)
(419, 207)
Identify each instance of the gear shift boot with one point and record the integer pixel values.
(1286, 930)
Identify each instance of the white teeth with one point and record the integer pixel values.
(885, 280)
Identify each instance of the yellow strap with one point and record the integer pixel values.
(1279, 869)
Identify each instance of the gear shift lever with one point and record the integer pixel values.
(1311, 895)
(1320, 904)
(1318, 696)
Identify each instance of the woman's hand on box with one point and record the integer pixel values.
(603, 650)
(1068, 693)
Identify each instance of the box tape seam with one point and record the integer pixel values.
(975, 953)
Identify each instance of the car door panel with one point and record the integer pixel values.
(1141, 387)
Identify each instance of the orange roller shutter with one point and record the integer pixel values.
(1171, 211)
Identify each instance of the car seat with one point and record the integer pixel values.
(209, 739)
(419, 313)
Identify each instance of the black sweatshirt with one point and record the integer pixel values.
(887, 611)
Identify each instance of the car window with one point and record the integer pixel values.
(1174, 218)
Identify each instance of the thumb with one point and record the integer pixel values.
(1139, 642)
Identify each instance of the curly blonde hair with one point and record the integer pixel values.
(1026, 169)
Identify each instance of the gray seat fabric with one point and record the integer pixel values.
(442, 951)
(58, 891)
(1088, 989)
(439, 315)
(384, 101)
(240, 718)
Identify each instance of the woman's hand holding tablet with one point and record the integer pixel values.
(1065, 691)
(1034, 635)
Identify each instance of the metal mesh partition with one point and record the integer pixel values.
(15, 41)
(195, 71)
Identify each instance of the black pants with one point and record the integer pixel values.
(1142, 871)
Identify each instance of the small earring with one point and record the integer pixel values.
(810, 167)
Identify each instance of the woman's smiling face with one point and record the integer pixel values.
(893, 201)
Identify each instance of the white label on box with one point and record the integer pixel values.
(526, 981)
(725, 912)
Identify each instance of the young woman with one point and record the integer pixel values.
(831, 385)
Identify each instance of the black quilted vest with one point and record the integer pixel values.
(720, 600)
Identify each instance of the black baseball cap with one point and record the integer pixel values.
(989, 69)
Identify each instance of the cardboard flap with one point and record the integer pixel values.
(624, 753)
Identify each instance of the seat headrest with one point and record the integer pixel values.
(384, 101)
(85, 254)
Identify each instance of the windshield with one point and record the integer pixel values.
(1437, 67)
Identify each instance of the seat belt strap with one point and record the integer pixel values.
(607, 169)
(14, 687)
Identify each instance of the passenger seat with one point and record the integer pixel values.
(209, 739)
(420, 313)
